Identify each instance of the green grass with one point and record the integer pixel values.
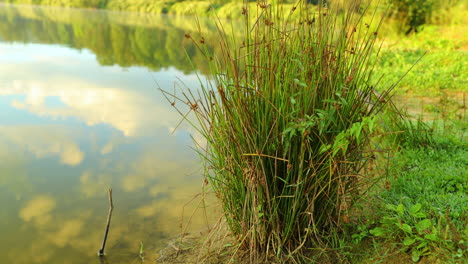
(434, 177)
(433, 180)
(429, 169)
(420, 210)
(437, 70)
(439, 52)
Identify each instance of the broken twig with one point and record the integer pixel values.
(111, 207)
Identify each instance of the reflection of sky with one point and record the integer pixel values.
(70, 129)
(74, 86)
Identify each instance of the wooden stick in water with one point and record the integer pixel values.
(101, 251)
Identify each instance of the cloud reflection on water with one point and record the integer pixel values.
(128, 101)
(76, 129)
(38, 210)
(42, 141)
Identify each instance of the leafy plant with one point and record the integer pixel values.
(416, 238)
(417, 233)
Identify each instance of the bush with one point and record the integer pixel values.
(412, 14)
(287, 119)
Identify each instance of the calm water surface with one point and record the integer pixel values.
(80, 112)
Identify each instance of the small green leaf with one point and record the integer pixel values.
(391, 207)
(422, 245)
(423, 225)
(388, 220)
(415, 208)
(406, 228)
(418, 238)
(408, 241)
(300, 83)
(432, 237)
(415, 255)
(419, 215)
(357, 129)
(378, 231)
(400, 209)
(324, 148)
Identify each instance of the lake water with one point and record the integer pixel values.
(80, 112)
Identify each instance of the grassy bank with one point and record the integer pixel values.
(419, 212)
(441, 55)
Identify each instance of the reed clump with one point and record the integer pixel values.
(288, 118)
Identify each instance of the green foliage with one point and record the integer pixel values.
(440, 59)
(143, 6)
(233, 9)
(191, 8)
(419, 235)
(412, 133)
(424, 78)
(438, 175)
(65, 3)
(152, 46)
(287, 118)
(412, 14)
(424, 209)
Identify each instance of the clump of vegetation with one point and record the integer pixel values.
(288, 119)
(412, 132)
(412, 14)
